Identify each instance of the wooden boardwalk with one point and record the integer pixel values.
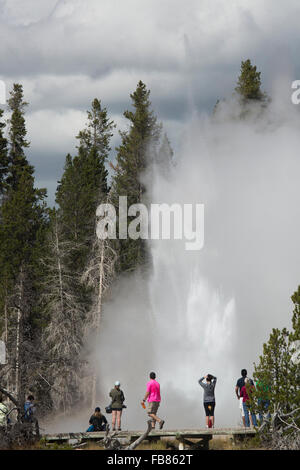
(200, 437)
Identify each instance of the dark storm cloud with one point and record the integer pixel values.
(66, 52)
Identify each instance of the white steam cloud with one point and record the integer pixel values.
(210, 311)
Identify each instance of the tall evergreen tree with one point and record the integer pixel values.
(249, 83)
(98, 131)
(17, 137)
(3, 156)
(70, 300)
(135, 156)
(22, 215)
(84, 182)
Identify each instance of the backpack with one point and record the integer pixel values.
(28, 411)
(108, 408)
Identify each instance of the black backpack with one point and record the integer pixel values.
(108, 409)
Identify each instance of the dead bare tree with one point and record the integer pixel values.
(281, 430)
(99, 275)
(62, 338)
(19, 343)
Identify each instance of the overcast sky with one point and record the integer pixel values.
(67, 52)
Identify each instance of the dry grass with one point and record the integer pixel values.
(217, 443)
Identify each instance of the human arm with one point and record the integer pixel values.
(148, 391)
(200, 382)
(238, 388)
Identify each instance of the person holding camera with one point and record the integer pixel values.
(209, 398)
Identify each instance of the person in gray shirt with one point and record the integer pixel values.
(209, 400)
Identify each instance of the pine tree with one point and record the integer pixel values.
(249, 83)
(98, 131)
(135, 156)
(277, 373)
(84, 182)
(82, 188)
(3, 156)
(17, 137)
(22, 215)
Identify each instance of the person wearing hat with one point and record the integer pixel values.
(97, 421)
(118, 399)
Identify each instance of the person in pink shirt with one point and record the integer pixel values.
(153, 396)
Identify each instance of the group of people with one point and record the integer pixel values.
(98, 421)
(28, 415)
(243, 390)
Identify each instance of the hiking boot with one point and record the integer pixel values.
(161, 424)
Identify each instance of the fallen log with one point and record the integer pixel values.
(137, 442)
(112, 443)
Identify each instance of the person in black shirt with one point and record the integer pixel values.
(240, 383)
(97, 421)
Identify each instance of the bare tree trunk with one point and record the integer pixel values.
(98, 317)
(19, 338)
(6, 335)
(59, 266)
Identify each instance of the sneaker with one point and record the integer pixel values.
(161, 424)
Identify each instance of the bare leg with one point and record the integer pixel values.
(119, 413)
(113, 419)
(155, 419)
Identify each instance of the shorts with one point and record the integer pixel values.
(209, 408)
(153, 407)
(241, 406)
